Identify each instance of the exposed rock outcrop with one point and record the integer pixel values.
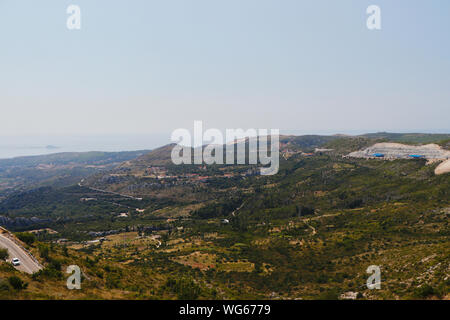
(444, 167)
(21, 222)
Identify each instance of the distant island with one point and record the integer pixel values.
(51, 147)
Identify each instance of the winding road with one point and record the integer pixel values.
(27, 263)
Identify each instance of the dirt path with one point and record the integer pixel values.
(240, 207)
(314, 231)
(308, 220)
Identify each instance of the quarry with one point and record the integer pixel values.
(391, 151)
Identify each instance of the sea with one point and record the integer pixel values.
(12, 147)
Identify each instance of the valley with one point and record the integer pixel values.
(143, 228)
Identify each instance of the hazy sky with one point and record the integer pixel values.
(144, 67)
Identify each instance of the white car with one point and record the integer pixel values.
(15, 262)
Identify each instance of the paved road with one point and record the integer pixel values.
(108, 192)
(27, 264)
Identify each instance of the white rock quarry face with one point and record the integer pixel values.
(444, 167)
(402, 151)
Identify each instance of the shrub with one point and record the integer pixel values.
(331, 294)
(53, 270)
(185, 289)
(44, 251)
(112, 281)
(26, 237)
(425, 291)
(17, 283)
(4, 286)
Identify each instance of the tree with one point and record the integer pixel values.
(3, 254)
(26, 237)
(304, 211)
(185, 288)
(44, 251)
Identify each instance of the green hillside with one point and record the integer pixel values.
(224, 232)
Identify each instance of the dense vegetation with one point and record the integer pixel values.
(57, 170)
